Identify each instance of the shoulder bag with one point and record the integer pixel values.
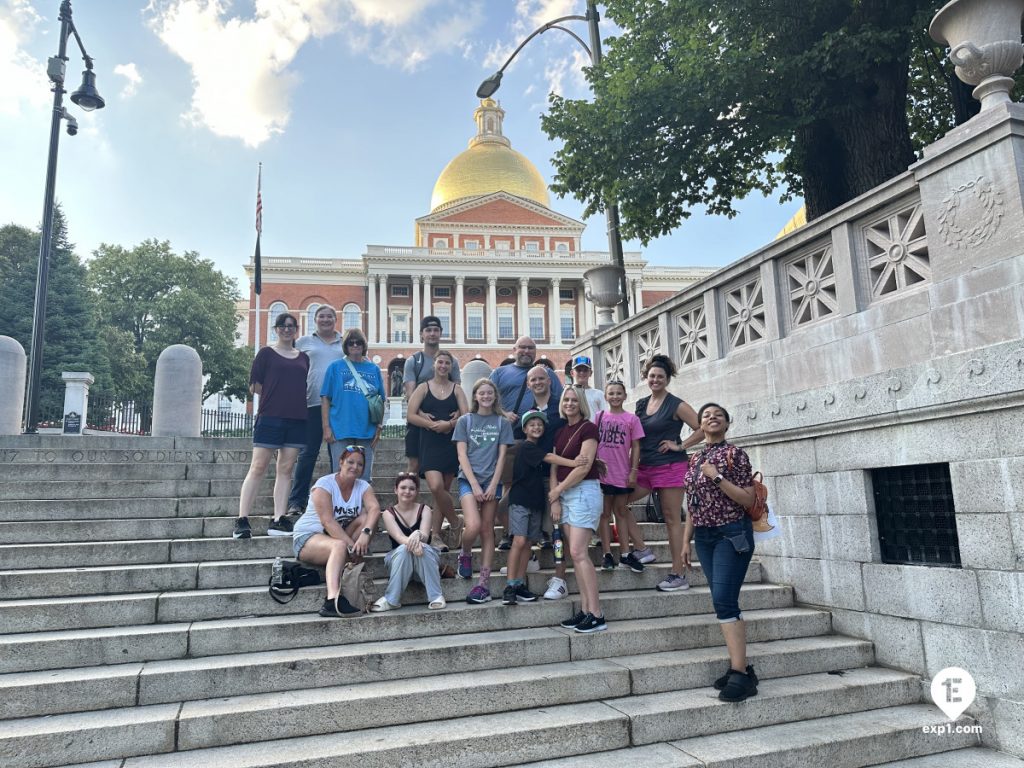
(373, 398)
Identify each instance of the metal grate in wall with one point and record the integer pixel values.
(916, 519)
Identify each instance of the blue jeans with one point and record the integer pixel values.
(299, 496)
(402, 566)
(334, 451)
(724, 552)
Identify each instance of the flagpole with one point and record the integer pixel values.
(258, 271)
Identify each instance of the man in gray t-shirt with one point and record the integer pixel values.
(418, 369)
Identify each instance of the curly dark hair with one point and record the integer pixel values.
(661, 361)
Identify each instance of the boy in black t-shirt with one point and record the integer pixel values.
(527, 498)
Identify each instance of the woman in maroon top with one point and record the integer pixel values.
(576, 502)
(720, 488)
(278, 376)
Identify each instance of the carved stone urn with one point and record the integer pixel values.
(605, 291)
(984, 44)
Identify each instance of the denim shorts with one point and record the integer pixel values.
(275, 432)
(298, 542)
(582, 505)
(465, 489)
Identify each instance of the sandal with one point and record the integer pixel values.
(437, 605)
(382, 605)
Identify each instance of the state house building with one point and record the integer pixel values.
(491, 259)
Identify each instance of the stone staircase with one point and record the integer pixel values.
(135, 632)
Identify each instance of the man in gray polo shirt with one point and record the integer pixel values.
(418, 369)
(323, 348)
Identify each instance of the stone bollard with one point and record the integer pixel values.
(178, 393)
(12, 381)
(76, 400)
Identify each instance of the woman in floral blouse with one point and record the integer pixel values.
(719, 488)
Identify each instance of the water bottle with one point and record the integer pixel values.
(557, 545)
(277, 573)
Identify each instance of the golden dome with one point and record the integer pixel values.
(798, 220)
(489, 165)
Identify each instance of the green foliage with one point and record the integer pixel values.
(158, 298)
(72, 340)
(700, 102)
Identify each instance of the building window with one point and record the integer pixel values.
(475, 322)
(444, 314)
(276, 309)
(442, 291)
(400, 327)
(502, 245)
(537, 322)
(567, 317)
(471, 245)
(567, 294)
(440, 242)
(506, 322)
(916, 519)
(562, 247)
(311, 318)
(351, 317)
(399, 291)
(532, 246)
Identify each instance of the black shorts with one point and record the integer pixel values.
(412, 441)
(614, 490)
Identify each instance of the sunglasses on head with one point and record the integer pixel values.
(355, 449)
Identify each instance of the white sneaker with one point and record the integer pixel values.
(532, 566)
(556, 589)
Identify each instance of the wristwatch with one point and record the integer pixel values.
(717, 479)
(367, 531)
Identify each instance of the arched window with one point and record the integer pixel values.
(351, 317)
(277, 309)
(311, 318)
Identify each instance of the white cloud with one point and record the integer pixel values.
(23, 76)
(132, 79)
(241, 66)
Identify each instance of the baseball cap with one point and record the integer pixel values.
(428, 321)
(529, 415)
(582, 360)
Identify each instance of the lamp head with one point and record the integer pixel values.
(489, 86)
(87, 97)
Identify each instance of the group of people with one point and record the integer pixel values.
(539, 459)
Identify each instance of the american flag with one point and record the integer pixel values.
(258, 277)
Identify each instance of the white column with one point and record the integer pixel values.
(414, 322)
(371, 309)
(76, 400)
(460, 310)
(426, 296)
(582, 326)
(492, 310)
(382, 330)
(555, 312)
(638, 294)
(524, 307)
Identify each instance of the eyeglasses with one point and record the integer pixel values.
(355, 343)
(287, 327)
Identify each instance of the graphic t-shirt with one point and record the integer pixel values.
(617, 433)
(345, 510)
(482, 436)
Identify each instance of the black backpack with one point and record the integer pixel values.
(294, 577)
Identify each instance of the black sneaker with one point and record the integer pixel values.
(633, 563)
(545, 543)
(505, 544)
(608, 562)
(739, 686)
(242, 529)
(571, 623)
(591, 623)
(524, 594)
(338, 608)
(721, 682)
(280, 527)
(508, 597)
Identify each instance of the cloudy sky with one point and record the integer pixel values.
(353, 107)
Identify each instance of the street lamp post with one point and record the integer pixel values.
(611, 209)
(88, 99)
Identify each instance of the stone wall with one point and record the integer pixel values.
(887, 333)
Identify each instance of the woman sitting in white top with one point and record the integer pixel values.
(339, 521)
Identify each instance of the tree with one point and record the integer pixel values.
(71, 340)
(700, 102)
(158, 298)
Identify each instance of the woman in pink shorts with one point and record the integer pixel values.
(663, 457)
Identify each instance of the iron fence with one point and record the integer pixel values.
(227, 424)
(131, 415)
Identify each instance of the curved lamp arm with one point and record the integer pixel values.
(492, 83)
